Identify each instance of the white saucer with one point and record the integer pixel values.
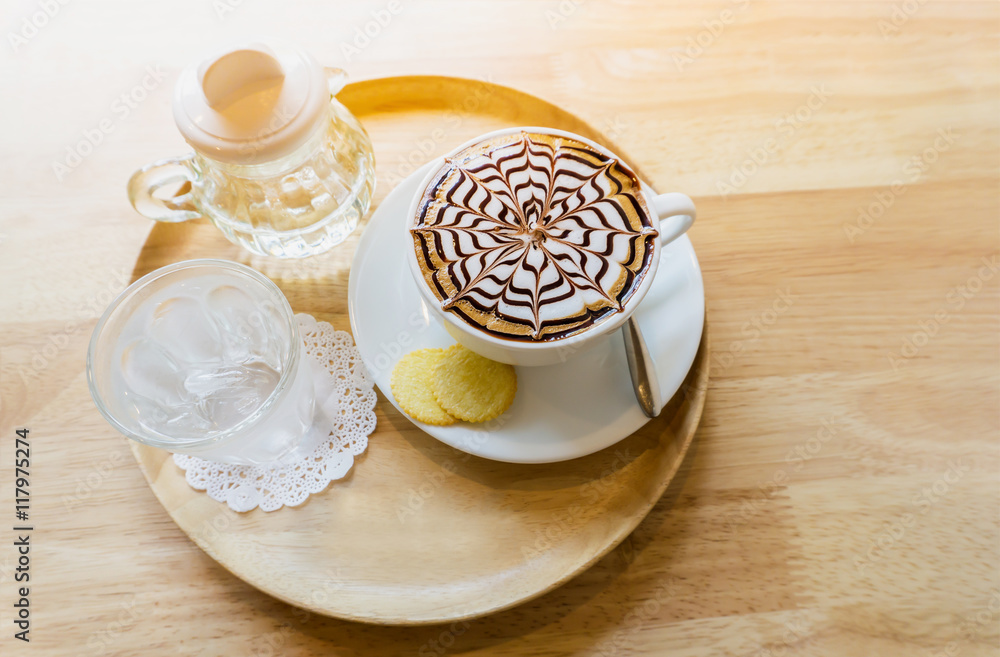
(561, 412)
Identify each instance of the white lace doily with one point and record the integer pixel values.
(245, 487)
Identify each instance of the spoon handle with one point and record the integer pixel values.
(642, 369)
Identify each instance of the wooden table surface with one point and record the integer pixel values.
(842, 494)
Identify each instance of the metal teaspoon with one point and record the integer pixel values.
(642, 369)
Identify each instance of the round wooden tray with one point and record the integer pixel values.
(419, 532)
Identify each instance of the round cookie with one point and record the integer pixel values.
(411, 386)
(471, 387)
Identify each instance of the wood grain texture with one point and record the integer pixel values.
(879, 538)
(420, 533)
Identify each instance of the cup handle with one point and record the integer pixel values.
(336, 78)
(676, 212)
(144, 183)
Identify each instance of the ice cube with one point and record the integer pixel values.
(326, 393)
(232, 310)
(153, 374)
(279, 339)
(190, 422)
(250, 331)
(185, 420)
(185, 331)
(148, 413)
(230, 393)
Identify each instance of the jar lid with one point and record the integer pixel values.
(251, 103)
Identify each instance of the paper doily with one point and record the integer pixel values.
(245, 487)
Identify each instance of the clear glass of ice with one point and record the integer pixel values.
(204, 357)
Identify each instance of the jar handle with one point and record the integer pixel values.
(336, 78)
(144, 183)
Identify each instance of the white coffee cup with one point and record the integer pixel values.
(675, 213)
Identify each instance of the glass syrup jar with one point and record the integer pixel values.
(279, 165)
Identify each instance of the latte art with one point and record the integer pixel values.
(533, 236)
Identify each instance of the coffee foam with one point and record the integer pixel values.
(532, 236)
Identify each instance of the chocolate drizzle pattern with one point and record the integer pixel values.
(533, 236)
